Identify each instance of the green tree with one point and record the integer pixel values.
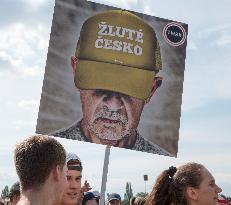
(141, 194)
(228, 198)
(5, 192)
(125, 202)
(128, 194)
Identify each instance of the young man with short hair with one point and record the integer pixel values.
(40, 163)
(73, 193)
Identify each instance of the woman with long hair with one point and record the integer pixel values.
(189, 184)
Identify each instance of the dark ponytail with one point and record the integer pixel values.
(163, 190)
(171, 185)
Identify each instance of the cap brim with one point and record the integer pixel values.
(113, 199)
(131, 81)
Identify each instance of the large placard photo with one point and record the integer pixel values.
(113, 77)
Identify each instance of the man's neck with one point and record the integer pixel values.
(36, 197)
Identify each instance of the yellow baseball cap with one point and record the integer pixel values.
(117, 51)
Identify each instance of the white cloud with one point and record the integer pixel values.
(35, 4)
(224, 39)
(14, 43)
(128, 4)
(223, 178)
(5, 176)
(30, 71)
(214, 29)
(24, 48)
(6, 57)
(28, 104)
(218, 35)
(31, 106)
(191, 45)
(19, 124)
(206, 83)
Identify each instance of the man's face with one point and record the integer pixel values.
(92, 202)
(110, 117)
(72, 190)
(61, 183)
(114, 202)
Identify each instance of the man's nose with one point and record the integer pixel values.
(219, 190)
(73, 184)
(113, 100)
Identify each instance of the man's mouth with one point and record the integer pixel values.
(110, 127)
(72, 195)
(108, 120)
(110, 117)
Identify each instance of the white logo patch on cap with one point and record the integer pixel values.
(123, 34)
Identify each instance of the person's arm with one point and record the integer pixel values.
(85, 188)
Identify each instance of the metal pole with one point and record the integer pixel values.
(104, 176)
(145, 187)
(145, 180)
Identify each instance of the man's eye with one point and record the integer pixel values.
(99, 92)
(212, 184)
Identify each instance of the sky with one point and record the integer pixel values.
(205, 131)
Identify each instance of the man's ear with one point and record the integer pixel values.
(192, 193)
(56, 173)
(73, 63)
(156, 83)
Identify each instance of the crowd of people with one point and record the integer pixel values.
(50, 176)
